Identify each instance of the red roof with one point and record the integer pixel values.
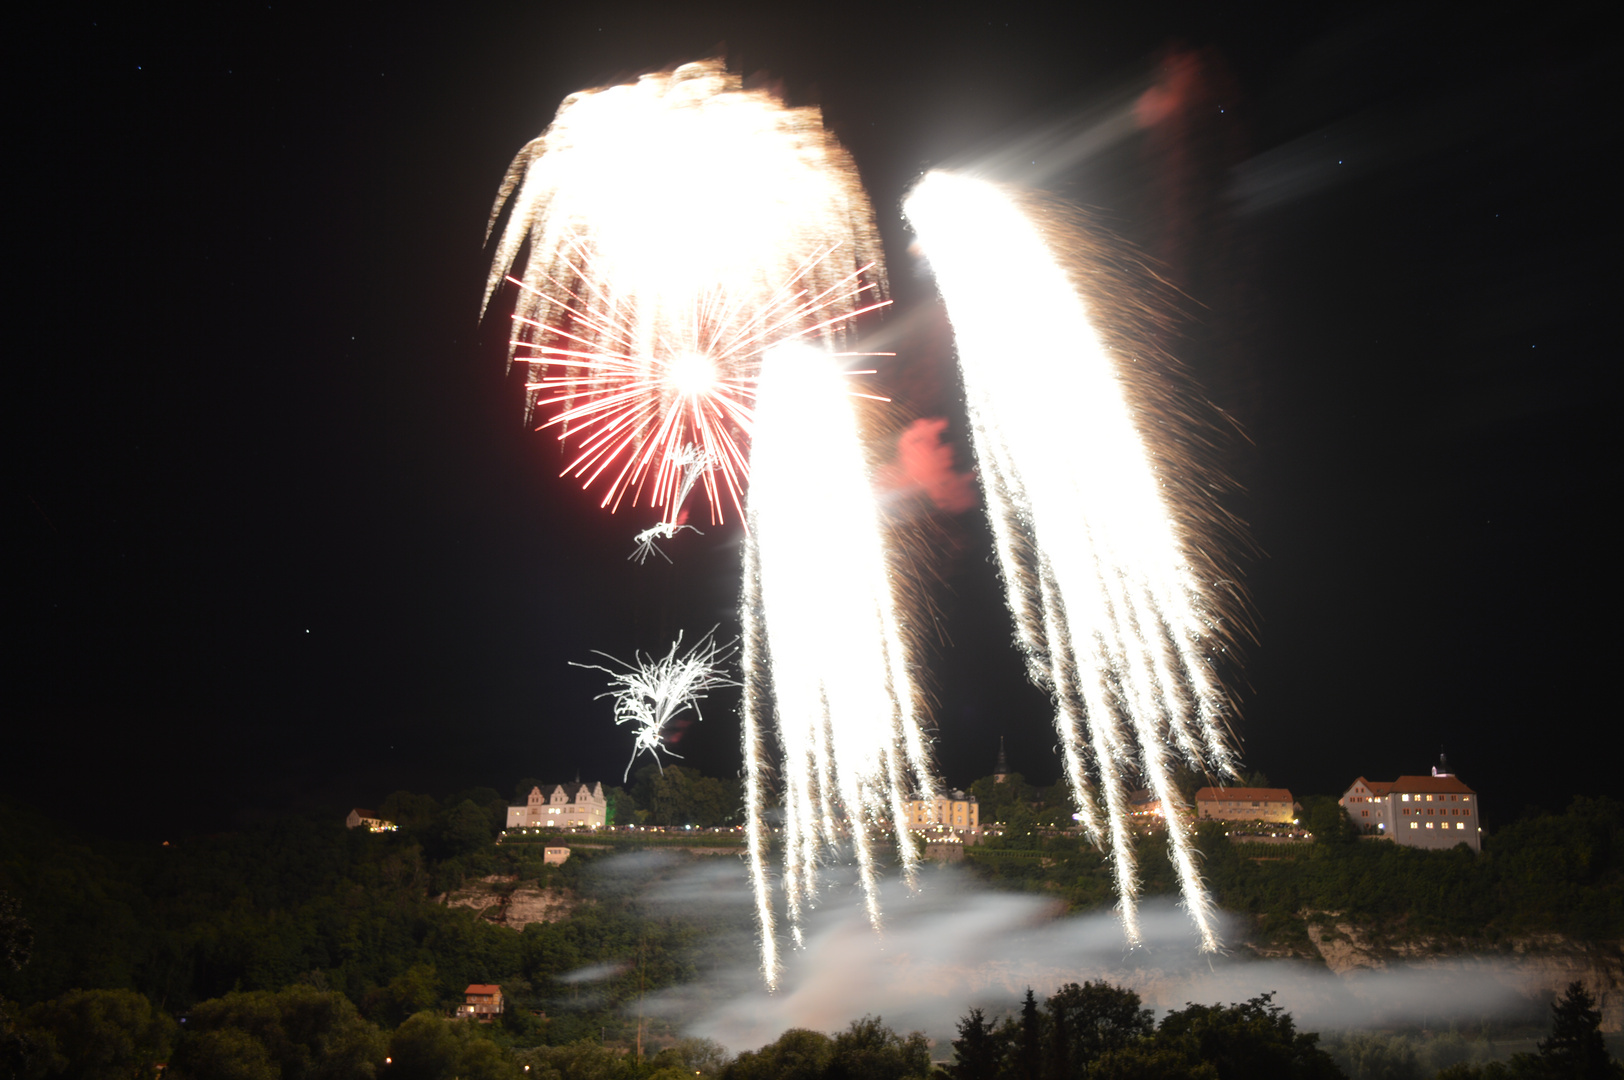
(1431, 785)
(482, 988)
(1245, 794)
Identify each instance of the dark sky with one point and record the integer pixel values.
(279, 536)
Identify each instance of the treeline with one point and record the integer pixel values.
(1097, 1031)
(1545, 873)
(304, 901)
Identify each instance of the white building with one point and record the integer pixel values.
(561, 806)
(1419, 811)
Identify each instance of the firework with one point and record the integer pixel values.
(649, 694)
(676, 227)
(820, 622)
(1111, 598)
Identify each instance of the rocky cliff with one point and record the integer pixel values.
(504, 900)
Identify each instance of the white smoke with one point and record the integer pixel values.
(956, 944)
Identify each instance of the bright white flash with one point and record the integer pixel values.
(676, 227)
(1108, 611)
(649, 694)
(821, 626)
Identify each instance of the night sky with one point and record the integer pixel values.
(280, 538)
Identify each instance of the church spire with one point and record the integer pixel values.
(1000, 770)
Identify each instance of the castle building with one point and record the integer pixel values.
(561, 806)
(1437, 811)
(954, 810)
(1245, 804)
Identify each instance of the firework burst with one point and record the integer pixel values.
(650, 693)
(676, 227)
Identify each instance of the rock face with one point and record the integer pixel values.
(1539, 966)
(502, 900)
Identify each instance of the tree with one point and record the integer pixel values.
(102, 1033)
(1575, 1047)
(798, 1054)
(16, 936)
(430, 1047)
(1028, 1063)
(1328, 821)
(978, 1050)
(1096, 1019)
(1253, 1040)
(304, 1033)
(868, 1050)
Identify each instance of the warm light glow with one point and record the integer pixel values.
(821, 626)
(677, 227)
(1107, 609)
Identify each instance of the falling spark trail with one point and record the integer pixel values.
(1108, 604)
(677, 227)
(649, 694)
(821, 621)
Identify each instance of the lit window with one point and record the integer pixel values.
(1414, 824)
(1429, 824)
(1406, 798)
(1460, 824)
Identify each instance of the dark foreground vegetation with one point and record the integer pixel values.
(296, 948)
(1099, 1032)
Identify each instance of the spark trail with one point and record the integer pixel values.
(649, 694)
(1112, 606)
(676, 228)
(820, 622)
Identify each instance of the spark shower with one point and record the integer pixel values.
(696, 254)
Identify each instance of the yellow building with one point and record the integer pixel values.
(954, 810)
(1245, 804)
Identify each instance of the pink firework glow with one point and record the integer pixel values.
(637, 415)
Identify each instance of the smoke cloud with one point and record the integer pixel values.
(955, 945)
(924, 464)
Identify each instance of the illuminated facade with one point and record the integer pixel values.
(954, 810)
(1437, 811)
(373, 823)
(1245, 804)
(482, 1002)
(561, 806)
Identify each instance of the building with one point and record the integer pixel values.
(1245, 804)
(954, 810)
(373, 822)
(1144, 806)
(482, 1002)
(554, 856)
(1437, 811)
(561, 806)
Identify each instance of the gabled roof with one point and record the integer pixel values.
(1375, 787)
(482, 988)
(1431, 785)
(1247, 794)
(572, 790)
